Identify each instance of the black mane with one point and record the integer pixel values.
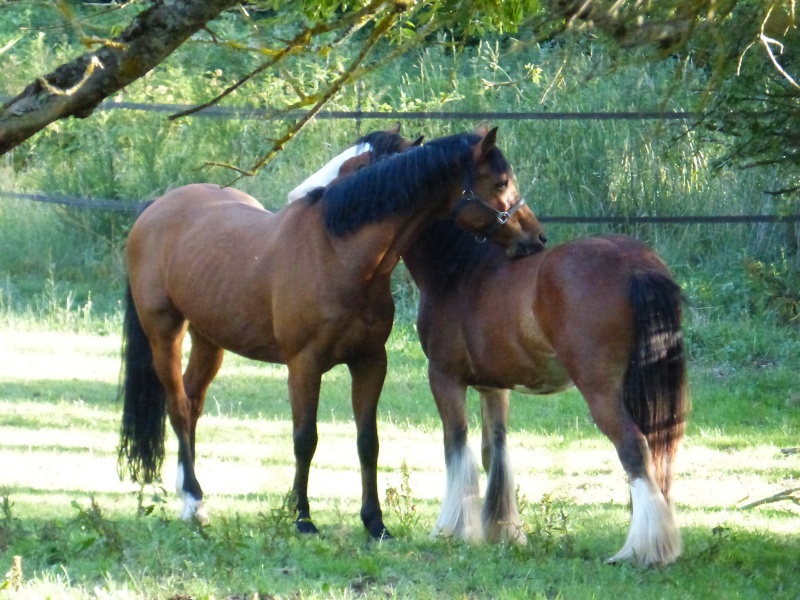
(397, 184)
(450, 254)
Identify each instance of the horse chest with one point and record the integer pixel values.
(360, 324)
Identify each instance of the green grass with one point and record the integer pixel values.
(80, 532)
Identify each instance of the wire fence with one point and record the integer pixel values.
(226, 112)
(234, 112)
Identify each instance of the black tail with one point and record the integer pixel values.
(144, 410)
(655, 384)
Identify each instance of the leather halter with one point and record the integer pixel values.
(500, 216)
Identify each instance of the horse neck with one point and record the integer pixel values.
(376, 249)
(409, 192)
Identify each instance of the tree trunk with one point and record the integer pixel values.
(76, 88)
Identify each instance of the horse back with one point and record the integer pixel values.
(182, 211)
(263, 285)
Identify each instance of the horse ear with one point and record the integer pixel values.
(394, 129)
(490, 139)
(482, 129)
(418, 141)
(487, 143)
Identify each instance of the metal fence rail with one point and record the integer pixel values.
(131, 206)
(253, 112)
(233, 112)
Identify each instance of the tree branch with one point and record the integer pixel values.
(297, 44)
(784, 495)
(380, 29)
(76, 88)
(232, 88)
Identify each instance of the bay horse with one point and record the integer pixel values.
(308, 287)
(602, 314)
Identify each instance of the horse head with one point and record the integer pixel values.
(491, 204)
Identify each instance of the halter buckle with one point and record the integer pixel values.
(501, 217)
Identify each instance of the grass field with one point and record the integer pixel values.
(81, 533)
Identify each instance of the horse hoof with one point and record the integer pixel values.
(380, 533)
(305, 526)
(194, 510)
(202, 515)
(647, 562)
(518, 537)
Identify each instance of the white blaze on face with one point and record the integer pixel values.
(327, 173)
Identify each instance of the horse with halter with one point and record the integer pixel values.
(602, 314)
(308, 287)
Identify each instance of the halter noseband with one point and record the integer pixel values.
(500, 216)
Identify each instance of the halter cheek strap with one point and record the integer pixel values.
(500, 216)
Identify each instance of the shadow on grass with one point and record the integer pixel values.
(237, 396)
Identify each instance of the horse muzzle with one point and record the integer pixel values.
(527, 246)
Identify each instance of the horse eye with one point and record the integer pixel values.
(501, 185)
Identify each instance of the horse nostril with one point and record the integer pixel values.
(543, 238)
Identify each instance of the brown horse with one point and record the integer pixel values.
(308, 287)
(602, 314)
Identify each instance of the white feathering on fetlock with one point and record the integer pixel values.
(460, 514)
(654, 538)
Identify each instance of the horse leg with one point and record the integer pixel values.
(500, 516)
(459, 515)
(304, 386)
(653, 537)
(167, 349)
(205, 360)
(368, 375)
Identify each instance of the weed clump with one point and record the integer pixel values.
(547, 526)
(401, 501)
(98, 531)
